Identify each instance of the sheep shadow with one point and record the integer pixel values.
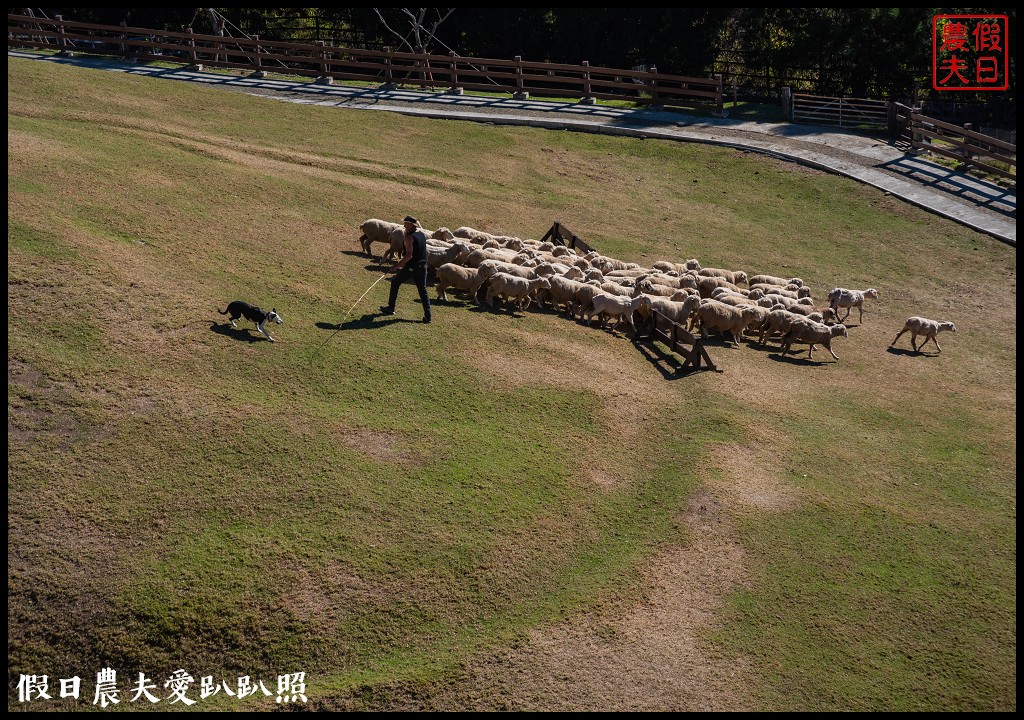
(913, 353)
(375, 263)
(452, 302)
(240, 334)
(797, 360)
(499, 309)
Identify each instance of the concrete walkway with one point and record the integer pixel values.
(980, 205)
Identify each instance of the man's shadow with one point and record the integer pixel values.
(369, 321)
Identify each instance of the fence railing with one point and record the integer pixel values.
(340, 63)
(561, 235)
(963, 144)
(900, 118)
(678, 339)
(840, 111)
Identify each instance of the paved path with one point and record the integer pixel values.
(981, 205)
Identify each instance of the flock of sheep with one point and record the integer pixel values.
(593, 286)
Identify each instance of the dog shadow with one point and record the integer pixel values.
(240, 334)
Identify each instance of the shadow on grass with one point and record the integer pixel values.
(664, 362)
(796, 360)
(240, 334)
(499, 309)
(914, 353)
(369, 321)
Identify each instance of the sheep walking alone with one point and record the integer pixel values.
(923, 326)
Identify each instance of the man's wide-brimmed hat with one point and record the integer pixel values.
(411, 219)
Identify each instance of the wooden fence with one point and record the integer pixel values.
(340, 63)
(840, 111)
(679, 340)
(962, 144)
(561, 235)
(901, 116)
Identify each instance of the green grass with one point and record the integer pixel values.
(408, 501)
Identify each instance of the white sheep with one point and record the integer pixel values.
(849, 299)
(685, 280)
(773, 280)
(477, 237)
(923, 326)
(754, 294)
(621, 308)
(777, 322)
(455, 253)
(646, 287)
(798, 293)
(454, 276)
(734, 276)
(514, 289)
(374, 230)
(813, 333)
(713, 315)
(707, 285)
(488, 267)
(396, 240)
(678, 311)
(561, 293)
(683, 293)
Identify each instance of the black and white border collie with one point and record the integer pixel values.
(251, 313)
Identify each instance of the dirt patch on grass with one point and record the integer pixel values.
(651, 656)
(610, 368)
(19, 373)
(752, 480)
(603, 478)
(378, 445)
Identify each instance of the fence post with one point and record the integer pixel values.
(587, 98)
(389, 77)
(194, 64)
(519, 94)
(62, 41)
(453, 80)
(325, 78)
(969, 127)
(259, 72)
(124, 36)
(891, 118)
(787, 104)
(720, 110)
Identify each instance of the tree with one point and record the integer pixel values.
(418, 23)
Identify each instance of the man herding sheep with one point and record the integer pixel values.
(412, 266)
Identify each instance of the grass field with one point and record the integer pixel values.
(498, 510)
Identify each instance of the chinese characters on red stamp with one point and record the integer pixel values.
(969, 52)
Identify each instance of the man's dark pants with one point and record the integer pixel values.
(418, 274)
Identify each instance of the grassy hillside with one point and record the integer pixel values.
(389, 507)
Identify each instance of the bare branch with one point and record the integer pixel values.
(440, 20)
(392, 31)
